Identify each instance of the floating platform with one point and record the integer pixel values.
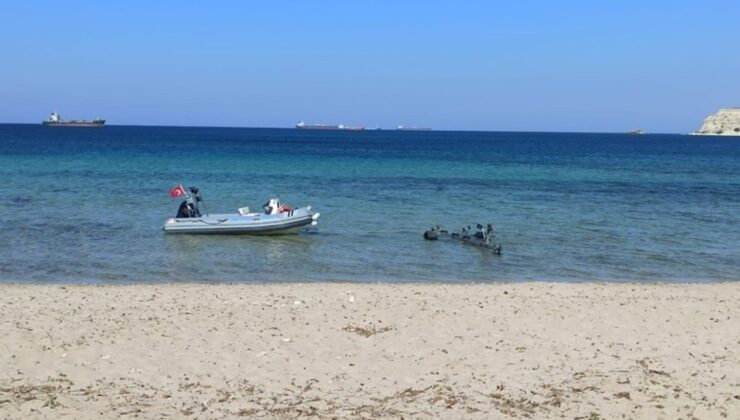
(482, 237)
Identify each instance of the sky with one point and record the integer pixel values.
(528, 65)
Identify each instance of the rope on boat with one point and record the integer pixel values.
(210, 223)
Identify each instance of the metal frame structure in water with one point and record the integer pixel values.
(483, 237)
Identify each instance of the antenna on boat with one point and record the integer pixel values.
(198, 197)
(195, 192)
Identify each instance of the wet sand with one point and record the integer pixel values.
(537, 350)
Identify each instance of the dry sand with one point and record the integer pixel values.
(535, 350)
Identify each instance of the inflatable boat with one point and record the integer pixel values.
(275, 218)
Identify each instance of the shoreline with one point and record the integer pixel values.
(460, 350)
(375, 282)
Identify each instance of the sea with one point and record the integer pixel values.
(87, 205)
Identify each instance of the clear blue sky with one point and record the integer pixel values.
(587, 65)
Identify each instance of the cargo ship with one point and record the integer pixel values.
(349, 128)
(303, 126)
(55, 120)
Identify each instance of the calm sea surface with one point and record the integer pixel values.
(87, 205)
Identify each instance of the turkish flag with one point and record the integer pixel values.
(177, 191)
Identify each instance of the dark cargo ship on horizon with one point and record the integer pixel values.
(55, 120)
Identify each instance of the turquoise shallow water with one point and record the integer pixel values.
(87, 205)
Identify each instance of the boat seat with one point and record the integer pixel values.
(244, 211)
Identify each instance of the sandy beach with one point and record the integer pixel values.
(538, 350)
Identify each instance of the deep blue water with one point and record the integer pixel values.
(87, 205)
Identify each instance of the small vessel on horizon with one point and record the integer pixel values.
(303, 126)
(55, 120)
(635, 132)
(403, 128)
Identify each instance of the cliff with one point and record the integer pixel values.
(726, 122)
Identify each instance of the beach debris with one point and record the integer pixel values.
(366, 331)
(297, 302)
(625, 395)
(51, 402)
(352, 298)
(286, 340)
(644, 363)
(484, 237)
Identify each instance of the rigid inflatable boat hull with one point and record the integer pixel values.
(242, 225)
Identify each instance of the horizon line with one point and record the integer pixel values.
(366, 130)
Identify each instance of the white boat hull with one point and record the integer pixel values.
(249, 224)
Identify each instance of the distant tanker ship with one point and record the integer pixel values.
(303, 126)
(55, 120)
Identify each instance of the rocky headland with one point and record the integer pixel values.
(726, 122)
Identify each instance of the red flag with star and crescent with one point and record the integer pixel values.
(178, 191)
